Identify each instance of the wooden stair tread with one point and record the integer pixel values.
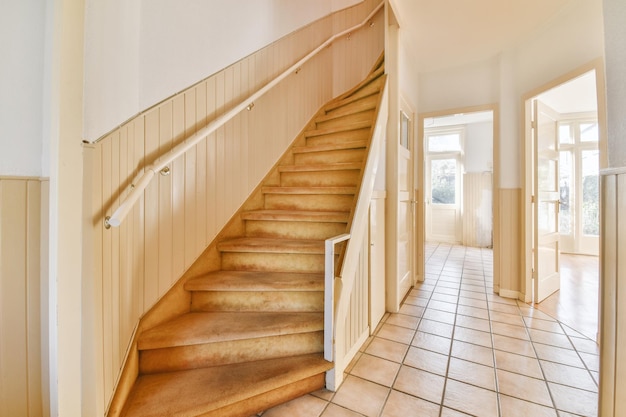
(349, 144)
(342, 128)
(309, 190)
(211, 327)
(373, 82)
(269, 245)
(198, 391)
(256, 281)
(297, 215)
(338, 166)
(353, 107)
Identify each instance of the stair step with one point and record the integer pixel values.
(309, 190)
(371, 85)
(353, 144)
(356, 106)
(231, 390)
(256, 281)
(341, 166)
(337, 120)
(212, 327)
(362, 134)
(342, 128)
(297, 215)
(268, 245)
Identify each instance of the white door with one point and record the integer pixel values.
(546, 202)
(405, 205)
(443, 198)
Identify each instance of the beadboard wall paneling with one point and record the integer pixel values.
(508, 264)
(20, 297)
(477, 212)
(181, 213)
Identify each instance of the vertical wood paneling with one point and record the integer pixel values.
(180, 214)
(510, 255)
(20, 303)
(620, 294)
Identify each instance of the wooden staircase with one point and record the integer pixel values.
(253, 336)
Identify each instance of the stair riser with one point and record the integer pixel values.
(330, 157)
(371, 88)
(341, 202)
(365, 103)
(348, 177)
(287, 301)
(293, 229)
(339, 121)
(277, 262)
(328, 139)
(223, 353)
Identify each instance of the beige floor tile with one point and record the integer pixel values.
(402, 320)
(442, 306)
(445, 297)
(416, 301)
(445, 283)
(472, 294)
(548, 338)
(557, 354)
(514, 319)
(387, 349)
(470, 399)
(523, 387)
(448, 291)
(432, 342)
(472, 373)
(479, 313)
(427, 361)
(473, 323)
(361, 396)
(514, 407)
(510, 344)
(324, 394)
(535, 313)
(420, 384)
(472, 336)
(585, 345)
(412, 310)
(472, 353)
(336, 411)
(568, 375)
(374, 369)
(472, 302)
(518, 364)
(448, 412)
(503, 308)
(396, 333)
(573, 400)
(305, 406)
(509, 330)
(439, 316)
(436, 328)
(592, 361)
(540, 324)
(400, 404)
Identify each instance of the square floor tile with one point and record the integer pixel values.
(548, 338)
(523, 387)
(336, 411)
(472, 353)
(514, 407)
(473, 323)
(472, 302)
(585, 345)
(592, 361)
(361, 396)
(541, 324)
(442, 306)
(509, 330)
(436, 327)
(305, 406)
(472, 294)
(472, 373)
(400, 404)
(473, 312)
(503, 308)
(395, 333)
(470, 399)
(510, 344)
(518, 364)
(432, 342)
(514, 319)
(572, 400)
(416, 301)
(420, 384)
(427, 361)
(387, 349)
(568, 375)
(445, 297)
(402, 320)
(440, 316)
(559, 355)
(448, 412)
(375, 369)
(412, 310)
(472, 336)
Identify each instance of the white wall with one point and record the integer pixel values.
(21, 86)
(478, 147)
(614, 18)
(141, 52)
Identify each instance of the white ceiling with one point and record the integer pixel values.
(450, 33)
(575, 96)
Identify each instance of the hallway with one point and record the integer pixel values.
(456, 349)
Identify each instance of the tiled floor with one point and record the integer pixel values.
(456, 349)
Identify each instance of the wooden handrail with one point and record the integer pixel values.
(164, 160)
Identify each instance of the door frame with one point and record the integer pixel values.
(596, 65)
(420, 229)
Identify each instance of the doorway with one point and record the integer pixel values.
(563, 155)
(456, 183)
